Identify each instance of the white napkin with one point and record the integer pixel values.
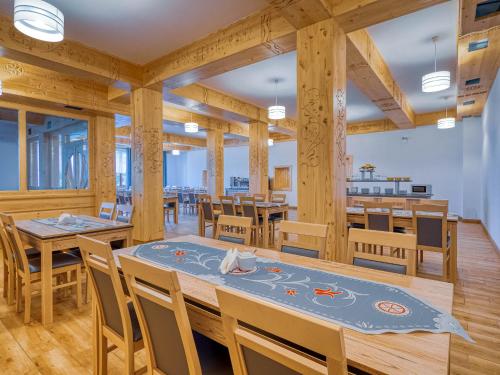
(66, 219)
(230, 262)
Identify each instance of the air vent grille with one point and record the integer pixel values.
(474, 81)
(477, 45)
(469, 102)
(73, 107)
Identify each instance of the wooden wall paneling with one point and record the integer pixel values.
(104, 151)
(215, 162)
(282, 180)
(23, 165)
(147, 163)
(258, 158)
(321, 133)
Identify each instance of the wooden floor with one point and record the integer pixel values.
(65, 348)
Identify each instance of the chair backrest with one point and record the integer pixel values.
(15, 242)
(236, 229)
(249, 209)
(257, 332)
(311, 241)
(360, 201)
(278, 198)
(378, 216)
(7, 249)
(227, 204)
(107, 286)
(192, 198)
(440, 202)
(360, 238)
(396, 203)
(237, 196)
(430, 225)
(260, 197)
(162, 315)
(205, 202)
(124, 213)
(107, 210)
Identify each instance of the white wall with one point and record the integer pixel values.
(490, 214)
(235, 163)
(285, 153)
(9, 168)
(472, 150)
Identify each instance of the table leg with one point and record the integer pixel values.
(265, 230)
(46, 283)
(176, 212)
(128, 239)
(453, 253)
(201, 231)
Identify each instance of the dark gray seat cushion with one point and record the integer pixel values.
(214, 357)
(58, 260)
(30, 253)
(240, 241)
(357, 226)
(381, 266)
(299, 251)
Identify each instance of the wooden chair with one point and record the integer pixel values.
(124, 213)
(237, 196)
(117, 317)
(209, 214)
(430, 223)
(260, 197)
(234, 229)
(227, 205)
(360, 239)
(313, 247)
(169, 207)
(360, 201)
(192, 203)
(28, 270)
(249, 209)
(265, 338)
(171, 345)
(378, 216)
(440, 202)
(107, 210)
(396, 203)
(278, 198)
(9, 267)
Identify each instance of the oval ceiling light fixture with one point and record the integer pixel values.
(191, 126)
(436, 81)
(446, 122)
(276, 112)
(39, 19)
(176, 152)
(1, 87)
(270, 142)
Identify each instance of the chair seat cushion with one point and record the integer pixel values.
(32, 253)
(214, 357)
(399, 230)
(357, 226)
(58, 260)
(136, 329)
(237, 240)
(381, 266)
(299, 251)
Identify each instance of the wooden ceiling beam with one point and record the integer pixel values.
(28, 81)
(123, 132)
(257, 37)
(302, 13)
(368, 70)
(469, 23)
(66, 57)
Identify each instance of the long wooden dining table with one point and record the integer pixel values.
(404, 219)
(47, 239)
(388, 353)
(264, 209)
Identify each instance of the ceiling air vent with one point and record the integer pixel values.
(474, 81)
(487, 8)
(73, 107)
(469, 102)
(477, 45)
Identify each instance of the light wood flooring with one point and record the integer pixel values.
(65, 347)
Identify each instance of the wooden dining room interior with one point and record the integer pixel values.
(250, 187)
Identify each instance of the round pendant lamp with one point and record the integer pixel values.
(437, 80)
(39, 19)
(276, 112)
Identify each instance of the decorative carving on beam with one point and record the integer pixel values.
(125, 131)
(66, 57)
(252, 39)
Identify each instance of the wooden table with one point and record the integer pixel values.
(264, 209)
(404, 219)
(411, 353)
(48, 239)
(172, 198)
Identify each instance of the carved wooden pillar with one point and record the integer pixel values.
(321, 144)
(258, 157)
(215, 162)
(104, 146)
(147, 163)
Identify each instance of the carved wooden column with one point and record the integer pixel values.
(321, 144)
(215, 162)
(147, 163)
(258, 157)
(104, 146)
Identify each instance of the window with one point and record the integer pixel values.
(123, 167)
(9, 149)
(57, 150)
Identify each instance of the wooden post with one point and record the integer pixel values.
(321, 144)
(215, 162)
(104, 146)
(258, 157)
(147, 163)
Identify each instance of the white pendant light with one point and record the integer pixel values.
(1, 87)
(39, 19)
(276, 112)
(446, 122)
(270, 142)
(176, 152)
(191, 126)
(436, 81)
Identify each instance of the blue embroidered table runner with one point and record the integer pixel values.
(81, 224)
(361, 305)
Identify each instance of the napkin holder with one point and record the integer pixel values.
(66, 219)
(230, 262)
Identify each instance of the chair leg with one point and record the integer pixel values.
(78, 286)
(11, 286)
(103, 355)
(19, 293)
(5, 279)
(129, 360)
(27, 302)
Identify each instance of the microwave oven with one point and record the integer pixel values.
(421, 189)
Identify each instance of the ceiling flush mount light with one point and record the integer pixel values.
(39, 19)
(176, 152)
(436, 81)
(446, 122)
(191, 126)
(276, 112)
(270, 142)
